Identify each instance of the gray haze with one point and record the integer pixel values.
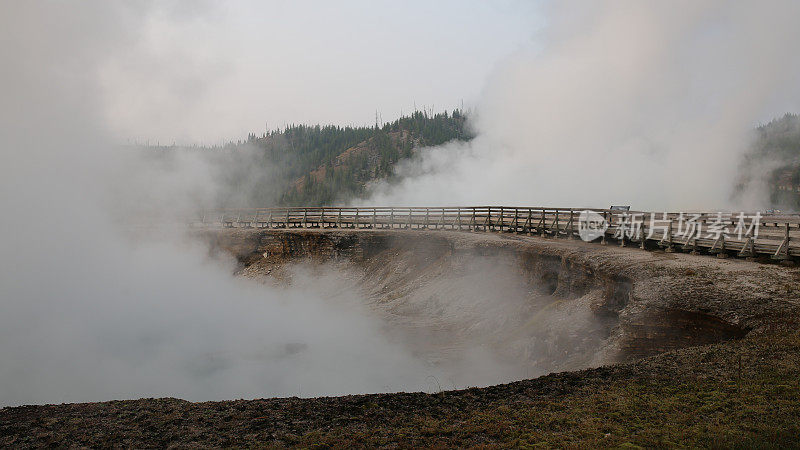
(622, 102)
(209, 72)
(94, 309)
(603, 108)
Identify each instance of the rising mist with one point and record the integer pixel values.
(622, 102)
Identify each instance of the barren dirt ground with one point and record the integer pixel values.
(741, 392)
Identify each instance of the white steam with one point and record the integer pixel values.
(629, 102)
(89, 312)
(642, 103)
(118, 322)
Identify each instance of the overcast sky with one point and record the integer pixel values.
(195, 72)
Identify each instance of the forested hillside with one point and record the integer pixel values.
(775, 159)
(340, 172)
(319, 165)
(326, 165)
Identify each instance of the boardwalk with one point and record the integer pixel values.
(744, 235)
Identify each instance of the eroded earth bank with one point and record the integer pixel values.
(652, 348)
(546, 305)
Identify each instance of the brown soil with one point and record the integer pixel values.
(707, 354)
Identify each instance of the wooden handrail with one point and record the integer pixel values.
(778, 234)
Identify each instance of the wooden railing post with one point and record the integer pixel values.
(782, 253)
(529, 222)
(667, 243)
(643, 234)
(556, 225)
(693, 245)
(603, 237)
(571, 224)
(501, 219)
(748, 249)
(472, 223)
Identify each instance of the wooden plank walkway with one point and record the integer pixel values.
(742, 234)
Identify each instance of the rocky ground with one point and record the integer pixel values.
(733, 393)
(743, 393)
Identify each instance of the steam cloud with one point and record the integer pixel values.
(640, 103)
(91, 310)
(627, 102)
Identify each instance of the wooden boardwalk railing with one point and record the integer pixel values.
(744, 234)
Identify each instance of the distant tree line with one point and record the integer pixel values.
(322, 165)
(774, 158)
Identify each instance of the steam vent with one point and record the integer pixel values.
(400, 224)
(512, 330)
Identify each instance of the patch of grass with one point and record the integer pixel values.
(760, 409)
